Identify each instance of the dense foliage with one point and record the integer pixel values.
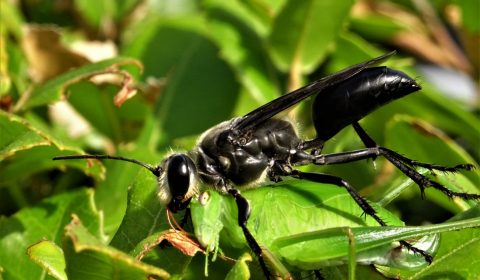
(138, 78)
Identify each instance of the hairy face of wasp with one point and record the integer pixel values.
(178, 183)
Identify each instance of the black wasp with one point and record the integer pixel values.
(247, 150)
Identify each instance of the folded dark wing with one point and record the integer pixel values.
(267, 111)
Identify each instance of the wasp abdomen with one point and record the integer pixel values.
(350, 101)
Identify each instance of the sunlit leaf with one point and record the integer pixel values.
(33, 149)
(87, 257)
(42, 222)
(50, 257)
(53, 89)
(304, 30)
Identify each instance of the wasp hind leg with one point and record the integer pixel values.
(360, 200)
(370, 143)
(403, 163)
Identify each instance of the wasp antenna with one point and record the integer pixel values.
(155, 170)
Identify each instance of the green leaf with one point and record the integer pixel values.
(244, 14)
(292, 207)
(266, 8)
(457, 246)
(449, 262)
(25, 149)
(305, 225)
(144, 215)
(303, 32)
(243, 49)
(124, 8)
(53, 89)
(96, 12)
(5, 79)
(97, 108)
(144, 218)
(240, 270)
(17, 135)
(42, 222)
(352, 49)
(376, 27)
(303, 249)
(111, 194)
(11, 19)
(200, 87)
(430, 106)
(342, 273)
(88, 258)
(50, 257)
(450, 116)
(470, 15)
(421, 141)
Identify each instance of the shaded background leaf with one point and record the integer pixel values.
(303, 31)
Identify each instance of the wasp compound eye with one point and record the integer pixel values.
(181, 173)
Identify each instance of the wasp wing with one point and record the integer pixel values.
(267, 111)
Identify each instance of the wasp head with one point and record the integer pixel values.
(178, 183)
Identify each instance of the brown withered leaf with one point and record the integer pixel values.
(422, 32)
(179, 239)
(127, 89)
(45, 53)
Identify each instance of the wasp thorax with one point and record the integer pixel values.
(178, 183)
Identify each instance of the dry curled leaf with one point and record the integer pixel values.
(45, 53)
(179, 239)
(422, 32)
(127, 89)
